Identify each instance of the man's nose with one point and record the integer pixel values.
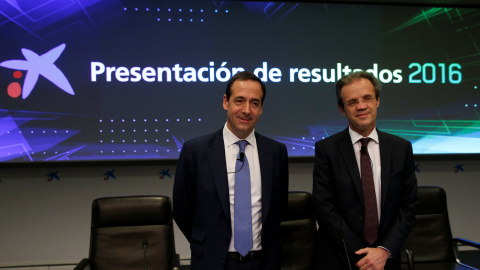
(361, 105)
(246, 108)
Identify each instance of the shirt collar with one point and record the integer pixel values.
(355, 136)
(229, 138)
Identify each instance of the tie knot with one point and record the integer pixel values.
(242, 144)
(365, 141)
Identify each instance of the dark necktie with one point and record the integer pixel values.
(242, 208)
(370, 229)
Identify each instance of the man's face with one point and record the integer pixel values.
(361, 115)
(244, 107)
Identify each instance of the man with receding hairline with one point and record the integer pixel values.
(364, 185)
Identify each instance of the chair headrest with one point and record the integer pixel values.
(131, 210)
(300, 206)
(432, 200)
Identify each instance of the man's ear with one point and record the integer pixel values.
(342, 109)
(225, 102)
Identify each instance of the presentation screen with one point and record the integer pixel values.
(133, 80)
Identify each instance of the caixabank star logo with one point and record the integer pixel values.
(35, 65)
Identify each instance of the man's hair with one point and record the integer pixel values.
(244, 76)
(348, 79)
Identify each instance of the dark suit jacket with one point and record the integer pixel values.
(201, 205)
(338, 195)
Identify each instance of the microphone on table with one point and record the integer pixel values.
(145, 244)
(340, 234)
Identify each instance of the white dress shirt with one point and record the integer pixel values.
(251, 152)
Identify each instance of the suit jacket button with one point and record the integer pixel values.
(360, 218)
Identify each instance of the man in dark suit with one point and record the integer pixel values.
(205, 190)
(364, 189)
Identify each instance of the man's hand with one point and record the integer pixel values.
(375, 258)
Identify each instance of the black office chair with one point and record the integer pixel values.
(298, 232)
(125, 229)
(430, 245)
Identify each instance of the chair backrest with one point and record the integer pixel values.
(431, 235)
(121, 226)
(298, 232)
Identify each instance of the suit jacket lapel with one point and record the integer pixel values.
(348, 154)
(218, 168)
(385, 165)
(266, 168)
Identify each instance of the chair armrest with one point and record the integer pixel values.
(466, 242)
(84, 264)
(456, 241)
